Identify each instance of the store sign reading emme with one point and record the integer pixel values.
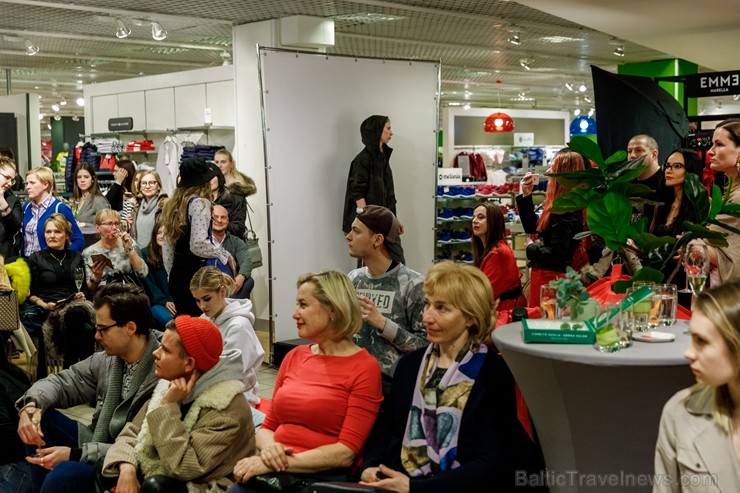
(713, 84)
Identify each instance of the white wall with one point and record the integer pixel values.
(313, 106)
(26, 109)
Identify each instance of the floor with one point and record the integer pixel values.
(265, 377)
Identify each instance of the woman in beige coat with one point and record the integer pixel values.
(698, 446)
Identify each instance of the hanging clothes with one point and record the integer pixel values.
(472, 165)
(168, 162)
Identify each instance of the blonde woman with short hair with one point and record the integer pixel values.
(42, 204)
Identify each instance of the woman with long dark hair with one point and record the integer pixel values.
(87, 195)
(668, 218)
(494, 256)
(187, 244)
(162, 302)
(553, 250)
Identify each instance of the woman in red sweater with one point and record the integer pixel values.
(494, 256)
(326, 395)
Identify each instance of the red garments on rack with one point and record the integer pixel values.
(476, 168)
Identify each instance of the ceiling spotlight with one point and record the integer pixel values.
(569, 86)
(41, 116)
(121, 30)
(515, 40)
(582, 87)
(466, 106)
(31, 49)
(63, 102)
(736, 97)
(524, 62)
(576, 112)
(619, 51)
(80, 101)
(75, 118)
(48, 125)
(158, 32)
(591, 112)
(55, 107)
(57, 117)
(225, 57)
(587, 99)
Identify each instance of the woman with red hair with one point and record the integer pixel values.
(552, 252)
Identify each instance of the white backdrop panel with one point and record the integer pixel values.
(313, 107)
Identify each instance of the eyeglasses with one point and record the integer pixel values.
(11, 180)
(100, 329)
(148, 183)
(109, 224)
(676, 166)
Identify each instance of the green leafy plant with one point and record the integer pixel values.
(570, 291)
(608, 192)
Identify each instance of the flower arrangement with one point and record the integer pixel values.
(571, 292)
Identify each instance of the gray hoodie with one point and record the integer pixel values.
(235, 323)
(227, 368)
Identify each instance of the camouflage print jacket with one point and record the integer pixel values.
(399, 295)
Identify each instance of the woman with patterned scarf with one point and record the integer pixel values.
(462, 432)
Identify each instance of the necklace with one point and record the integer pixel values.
(58, 260)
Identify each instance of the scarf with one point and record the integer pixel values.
(430, 440)
(145, 219)
(112, 419)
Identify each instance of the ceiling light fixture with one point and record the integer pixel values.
(525, 62)
(736, 97)
(591, 112)
(582, 125)
(121, 30)
(619, 51)
(466, 106)
(31, 49)
(41, 116)
(515, 40)
(158, 32)
(569, 86)
(80, 101)
(582, 87)
(587, 99)
(55, 107)
(63, 102)
(576, 112)
(498, 122)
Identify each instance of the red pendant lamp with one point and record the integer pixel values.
(498, 123)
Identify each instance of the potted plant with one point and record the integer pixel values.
(572, 294)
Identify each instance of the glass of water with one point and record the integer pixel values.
(668, 303)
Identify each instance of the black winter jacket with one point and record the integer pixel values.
(370, 176)
(10, 227)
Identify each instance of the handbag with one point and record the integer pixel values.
(252, 242)
(277, 482)
(9, 317)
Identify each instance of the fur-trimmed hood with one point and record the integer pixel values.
(55, 330)
(242, 185)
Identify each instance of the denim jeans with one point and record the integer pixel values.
(15, 478)
(69, 477)
(58, 430)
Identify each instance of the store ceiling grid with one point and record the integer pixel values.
(77, 43)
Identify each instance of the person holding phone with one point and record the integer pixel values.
(71, 330)
(115, 257)
(123, 174)
(552, 252)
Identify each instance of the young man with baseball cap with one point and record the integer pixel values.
(391, 295)
(196, 425)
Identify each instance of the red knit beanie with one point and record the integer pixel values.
(201, 339)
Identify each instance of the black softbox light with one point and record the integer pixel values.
(627, 105)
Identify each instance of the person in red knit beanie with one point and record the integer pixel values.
(197, 424)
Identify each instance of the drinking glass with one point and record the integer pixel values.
(549, 302)
(617, 333)
(79, 277)
(668, 303)
(696, 265)
(640, 313)
(35, 415)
